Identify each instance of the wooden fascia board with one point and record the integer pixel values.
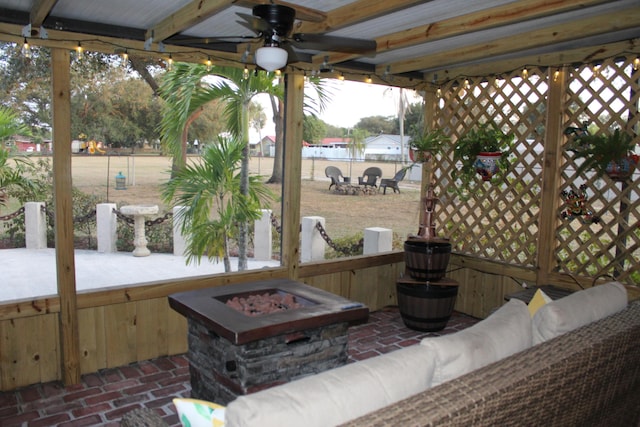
(190, 15)
(109, 45)
(629, 18)
(558, 59)
(39, 11)
(476, 21)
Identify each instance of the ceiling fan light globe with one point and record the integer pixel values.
(271, 58)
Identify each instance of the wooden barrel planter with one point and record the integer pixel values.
(426, 259)
(426, 306)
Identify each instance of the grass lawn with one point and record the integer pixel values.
(345, 214)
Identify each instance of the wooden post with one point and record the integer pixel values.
(551, 175)
(65, 262)
(430, 102)
(293, 116)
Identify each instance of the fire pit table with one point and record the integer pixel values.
(233, 352)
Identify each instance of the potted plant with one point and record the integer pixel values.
(606, 154)
(425, 142)
(481, 150)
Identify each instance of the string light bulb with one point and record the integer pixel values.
(368, 79)
(79, 50)
(170, 63)
(439, 93)
(556, 74)
(636, 63)
(125, 58)
(341, 77)
(467, 84)
(208, 63)
(245, 73)
(26, 49)
(596, 68)
(278, 73)
(525, 73)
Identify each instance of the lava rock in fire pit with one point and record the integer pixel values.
(261, 304)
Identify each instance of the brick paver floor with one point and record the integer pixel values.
(103, 397)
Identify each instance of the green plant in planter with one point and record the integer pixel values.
(425, 142)
(486, 138)
(611, 154)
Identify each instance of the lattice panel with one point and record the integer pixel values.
(607, 97)
(495, 221)
(500, 222)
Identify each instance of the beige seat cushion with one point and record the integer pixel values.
(338, 395)
(503, 333)
(578, 309)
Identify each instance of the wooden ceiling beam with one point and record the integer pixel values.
(190, 15)
(39, 12)
(625, 19)
(481, 20)
(354, 13)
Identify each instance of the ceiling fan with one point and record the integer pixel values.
(273, 25)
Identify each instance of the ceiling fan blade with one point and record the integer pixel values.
(253, 23)
(295, 56)
(333, 43)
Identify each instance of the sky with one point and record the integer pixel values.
(351, 101)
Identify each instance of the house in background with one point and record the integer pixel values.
(386, 147)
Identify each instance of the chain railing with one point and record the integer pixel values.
(11, 216)
(51, 216)
(148, 223)
(351, 249)
(344, 249)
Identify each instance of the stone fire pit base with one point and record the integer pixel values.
(232, 353)
(220, 371)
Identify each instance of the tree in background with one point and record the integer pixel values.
(313, 129)
(376, 125)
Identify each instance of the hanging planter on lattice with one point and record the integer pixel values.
(610, 155)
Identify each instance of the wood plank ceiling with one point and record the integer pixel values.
(416, 41)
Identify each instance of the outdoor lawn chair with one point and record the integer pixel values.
(393, 182)
(335, 174)
(370, 177)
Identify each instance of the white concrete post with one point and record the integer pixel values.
(35, 224)
(377, 239)
(107, 225)
(262, 247)
(312, 244)
(179, 241)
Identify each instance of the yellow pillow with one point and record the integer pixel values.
(539, 299)
(199, 413)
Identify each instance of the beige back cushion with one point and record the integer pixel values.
(578, 309)
(503, 333)
(336, 396)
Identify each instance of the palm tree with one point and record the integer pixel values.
(12, 175)
(185, 94)
(213, 184)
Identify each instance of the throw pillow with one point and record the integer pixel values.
(503, 333)
(539, 299)
(199, 413)
(336, 396)
(578, 309)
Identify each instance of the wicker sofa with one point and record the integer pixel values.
(588, 376)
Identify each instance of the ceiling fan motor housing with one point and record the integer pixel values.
(280, 18)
